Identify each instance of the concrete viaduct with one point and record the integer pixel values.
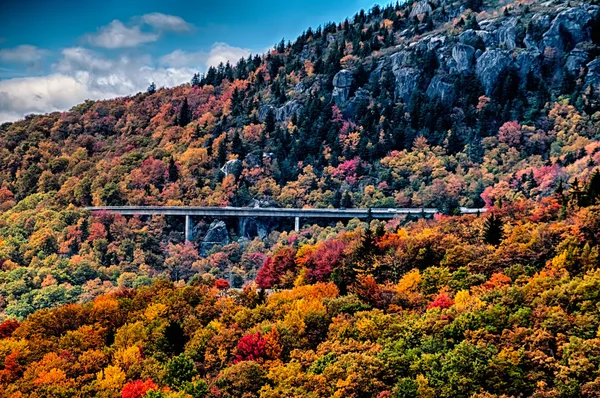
(189, 211)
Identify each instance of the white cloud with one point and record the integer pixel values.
(24, 54)
(166, 22)
(83, 74)
(223, 52)
(117, 35)
(219, 52)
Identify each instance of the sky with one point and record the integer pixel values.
(55, 54)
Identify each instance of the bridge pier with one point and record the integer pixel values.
(297, 224)
(189, 228)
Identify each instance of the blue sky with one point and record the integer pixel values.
(56, 53)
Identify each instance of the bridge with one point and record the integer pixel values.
(190, 211)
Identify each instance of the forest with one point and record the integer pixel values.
(427, 104)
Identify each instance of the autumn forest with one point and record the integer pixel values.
(440, 104)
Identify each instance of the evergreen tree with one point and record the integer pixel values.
(173, 170)
(185, 115)
(593, 188)
(151, 88)
(196, 80)
(493, 230)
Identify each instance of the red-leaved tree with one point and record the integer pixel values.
(138, 388)
(251, 347)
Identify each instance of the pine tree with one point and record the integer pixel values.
(173, 170)
(185, 114)
(151, 88)
(593, 188)
(196, 80)
(493, 230)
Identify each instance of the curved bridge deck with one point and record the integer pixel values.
(190, 211)
(272, 212)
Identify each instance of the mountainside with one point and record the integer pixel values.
(435, 104)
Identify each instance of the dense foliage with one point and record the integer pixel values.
(498, 304)
(430, 309)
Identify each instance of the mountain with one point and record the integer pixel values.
(432, 103)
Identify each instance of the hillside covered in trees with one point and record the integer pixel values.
(434, 103)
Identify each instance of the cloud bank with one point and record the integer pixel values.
(82, 74)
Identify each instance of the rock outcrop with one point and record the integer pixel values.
(463, 55)
(570, 27)
(233, 166)
(342, 84)
(438, 89)
(217, 235)
(282, 113)
(490, 67)
(593, 73)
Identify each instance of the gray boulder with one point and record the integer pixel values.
(282, 113)
(463, 55)
(593, 74)
(576, 60)
(342, 82)
(438, 89)
(490, 66)
(232, 166)
(574, 23)
(217, 235)
(420, 8)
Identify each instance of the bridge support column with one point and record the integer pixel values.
(189, 228)
(297, 224)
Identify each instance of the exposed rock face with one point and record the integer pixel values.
(593, 74)
(232, 166)
(490, 67)
(264, 110)
(439, 89)
(528, 61)
(360, 97)
(576, 60)
(407, 80)
(420, 8)
(470, 35)
(463, 55)
(282, 113)
(506, 34)
(570, 27)
(217, 235)
(539, 23)
(342, 82)
(287, 110)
